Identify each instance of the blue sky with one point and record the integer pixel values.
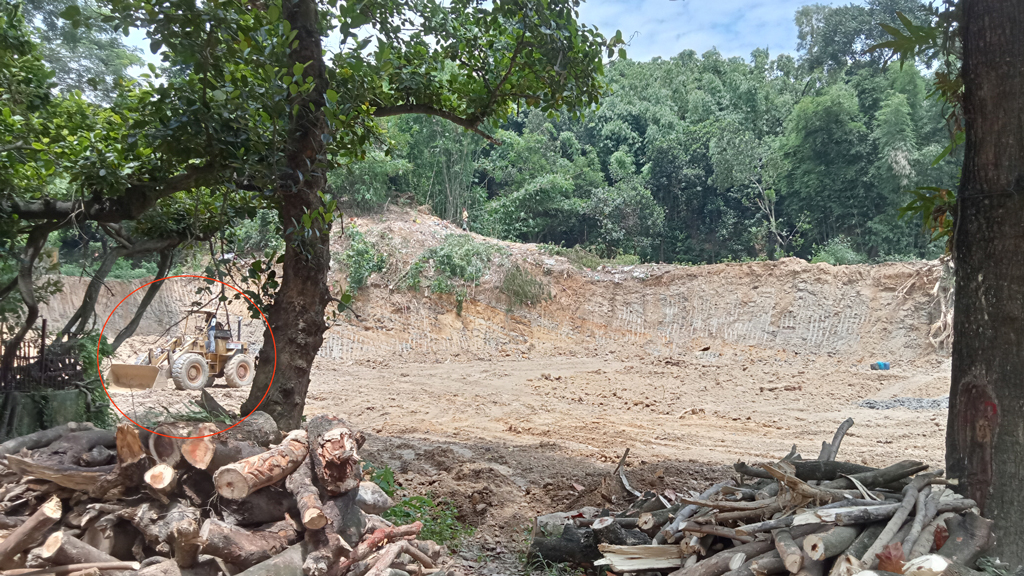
(667, 27)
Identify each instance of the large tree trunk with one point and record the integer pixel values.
(297, 314)
(984, 449)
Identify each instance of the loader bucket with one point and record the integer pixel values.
(134, 376)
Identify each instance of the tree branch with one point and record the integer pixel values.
(402, 109)
(135, 201)
(33, 246)
(15, 146)
(483, 112)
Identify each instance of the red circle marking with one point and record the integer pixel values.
(104, 384)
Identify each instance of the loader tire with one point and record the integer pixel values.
(239, 371)
(190, 372)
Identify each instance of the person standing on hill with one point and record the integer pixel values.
(465, 220)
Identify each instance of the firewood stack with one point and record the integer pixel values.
(248, 501)
(795, 516)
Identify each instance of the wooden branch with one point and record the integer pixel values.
(74, 477)
(870, 559)
(766, 526)
(817, 493)
(42, 438)
(62, 549)
(791, 554)
(72, 568)
(385, 558)
(880, 477)
(300, 484)
(241, 547)
(829, 451)
(136, 200)
(403, 109)
(921, 516)
(418, 555)
(271, 504)
(714, 530)
(373, 541)
(848, 563)
(238, 480)
(927, 538)
(685, 513)
(47, 515)
(327, 545)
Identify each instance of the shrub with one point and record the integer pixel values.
(583, 258)
(452, 267)
(837, 252)
(361, 259)
(522, 287)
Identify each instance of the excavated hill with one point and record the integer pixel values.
(514, 411)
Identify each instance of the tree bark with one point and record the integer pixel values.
(131, 463)
(62, 549)
(270, 504)
(241, 547)
(23, 537)
(238, 480)
(300, 484)
(297, 315)
(42, 438)
(984, 450)
(333, 445)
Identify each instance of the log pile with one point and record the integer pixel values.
(801, 517)
(250, 501)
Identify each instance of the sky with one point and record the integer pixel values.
(667, 27)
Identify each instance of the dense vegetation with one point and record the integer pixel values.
(699, 158)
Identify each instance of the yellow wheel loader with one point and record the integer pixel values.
(192, 362)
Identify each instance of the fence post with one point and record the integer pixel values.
(42, 356)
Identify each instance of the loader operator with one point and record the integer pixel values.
(214, 325)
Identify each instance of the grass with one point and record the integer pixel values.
(583, 258)
(439, 518)
(522, 287)
(452, 267)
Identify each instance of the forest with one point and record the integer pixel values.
(700, 158)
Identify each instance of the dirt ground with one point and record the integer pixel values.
(509, 414)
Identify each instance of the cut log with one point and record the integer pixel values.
(848, 563)
(161, 478)
(241, 547)
(300, 484)
(270, 504)
(575, 545)
(870, 558)
(808, 470)
(231, 451)
(625, 522)
(42, 438)
(131, 463)
(650, 523)
(608, 531)
(172, 531)
(333, 449)
(27, 534)
(287, 563)
(830, 450)
(791, 554)
(259, 428)
(639, 558)
(74, 477)
(830, 543)
(348, 520)
(718, 564)
(878, 478)
(385, 558)
(165, 568)
(238, 480)
(61, 549)
(344, 528)
(113, 536)
(98, 456)
(11, 522)
(200, 448)
(371, 499)
(970, 536)
(811, 567)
